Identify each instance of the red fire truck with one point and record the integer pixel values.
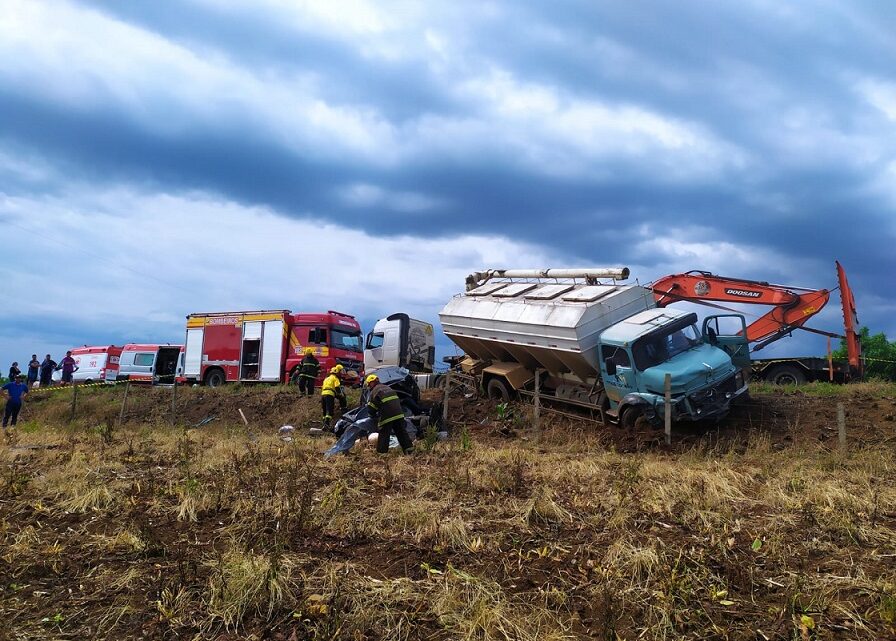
(267, 345)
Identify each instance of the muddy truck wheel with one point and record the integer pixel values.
(633, 419)
(497, 389)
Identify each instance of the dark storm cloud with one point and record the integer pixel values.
(798, 154)
(252, 37)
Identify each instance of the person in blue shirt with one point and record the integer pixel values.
(15, 392)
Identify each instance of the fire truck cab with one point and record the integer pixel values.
(267, 345)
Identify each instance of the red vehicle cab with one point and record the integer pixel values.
(267, 345)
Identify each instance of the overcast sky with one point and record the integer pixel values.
(158, 159)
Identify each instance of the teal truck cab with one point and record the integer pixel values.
(638, 352)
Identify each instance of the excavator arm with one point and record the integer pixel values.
(792, 307)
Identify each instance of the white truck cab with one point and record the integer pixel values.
(401, 341)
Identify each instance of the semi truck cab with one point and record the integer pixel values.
(401, 341)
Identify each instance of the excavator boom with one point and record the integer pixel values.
(850, 321)
(792, 307)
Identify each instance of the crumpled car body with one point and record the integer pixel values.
(357, 423)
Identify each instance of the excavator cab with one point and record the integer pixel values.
(728, 332)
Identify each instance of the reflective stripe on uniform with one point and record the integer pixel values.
(327, 392)
(390, 420)
(394, 397)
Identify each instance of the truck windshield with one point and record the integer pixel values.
(351, 341)
(658, 348)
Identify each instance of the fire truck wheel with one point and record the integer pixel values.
(215, 378)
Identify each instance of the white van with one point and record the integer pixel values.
(149, 362)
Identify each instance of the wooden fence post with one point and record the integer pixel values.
(445, 398)
(537, 413)
(74, 401)
(667, 409)
(173, 402)
(124, 402)
(841, 427)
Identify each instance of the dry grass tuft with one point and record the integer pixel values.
(638, 563)
(245, 582)
(541, 508)
(470, 607)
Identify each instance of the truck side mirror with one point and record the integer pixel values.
(711, 336)
(611, 366)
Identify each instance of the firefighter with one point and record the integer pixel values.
(385, 407)
(339, 370)
(309, 368)
(328, 392)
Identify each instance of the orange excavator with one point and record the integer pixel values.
(791, 308)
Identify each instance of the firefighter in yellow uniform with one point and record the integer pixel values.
(385, 407)
(340, 390)
(328, 393)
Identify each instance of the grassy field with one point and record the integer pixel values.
(757, 529)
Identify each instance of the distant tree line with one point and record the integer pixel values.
(879, 353)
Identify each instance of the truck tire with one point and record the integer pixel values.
(785, 375)
(633, 419)
(215, 378)
(497, 389)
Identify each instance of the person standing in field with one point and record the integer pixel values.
(33, 370)
(68, 367)
(14, 371)
(46, 371)
(309, 368)
(15, 392)
(328, 392)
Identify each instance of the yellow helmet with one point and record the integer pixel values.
(338, 367)
(371, 378)
(309, 351)
(334, 370)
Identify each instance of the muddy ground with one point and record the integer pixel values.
(193, 525)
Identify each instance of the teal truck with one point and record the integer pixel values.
(596, 343)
